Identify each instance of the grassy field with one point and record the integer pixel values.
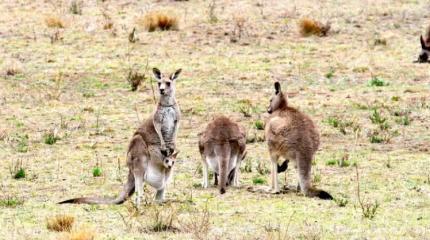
(66, 108)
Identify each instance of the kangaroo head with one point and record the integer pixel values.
(169, 161)
(166, 83)
(278, 100)
(425, 51)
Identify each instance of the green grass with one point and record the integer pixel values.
(50, 138)
(258, 180)
(97, 172)
(20, 173)
(377, 82)
(10, 202)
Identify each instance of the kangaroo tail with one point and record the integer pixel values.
(321, 194)
(127, 191)
(224, 159)
(283, 167)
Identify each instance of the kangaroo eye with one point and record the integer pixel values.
(168, 84)
(159, 83)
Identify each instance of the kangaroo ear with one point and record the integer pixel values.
(277, 87)
(176, 74)
(175, 153)
(157, 73)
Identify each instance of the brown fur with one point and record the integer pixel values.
(292, 135)
(222, 142)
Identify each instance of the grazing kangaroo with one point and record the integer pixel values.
(222, 146)
(292, 135)
(150, 153)
(425, 47)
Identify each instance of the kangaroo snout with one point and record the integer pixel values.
(162, 91)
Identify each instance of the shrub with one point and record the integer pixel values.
(54, 22)
(341, 202)
(331, 162)
(50, 138)
(259, 124)
(377, 82)
(309, 27)
(158, 20)
(76, 7)
(97, 172)
(60, 223)
(258, 180)
(20, 173)
(134, 78)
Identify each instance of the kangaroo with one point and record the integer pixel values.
(425, 47)
(222, 146)
(292, 135)
(150, 152)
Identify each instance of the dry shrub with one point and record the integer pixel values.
(198, 224)
(54, 22)
(80, 235)
(239, 28)
(158, 20)
(12, 68)
(60, 223)
(134, 78)
(309, 27)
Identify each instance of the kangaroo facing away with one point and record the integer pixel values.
(150, 155)
(293, 136)
(222, 146)
(425, 47)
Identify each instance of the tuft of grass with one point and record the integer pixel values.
(82, 234)
(198, 224)
(375, 138)
(50, 138)
(97, 171)
(331, 162)
(11, 202)
(134, 78)
(12, 68)
(163, 218)
(22, 145)
(341, 202)
(20, 173)
(330, 74)
(259, 125)
(310, 27)
(157, 20)
(258, 180)
(17, 169)
(404, 120)
(377, 82)
(247, 166)
(76, 7)
(60, 223)
(376, 117)
(368, 209)
(54, 22)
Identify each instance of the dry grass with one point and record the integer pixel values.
(12, 68)
(60, 223)
(158, 20)
(135, 79)
(83, 234)
(54, 22)
(309, 27)
(325, 77)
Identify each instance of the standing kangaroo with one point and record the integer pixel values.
(292, 135)
(150, 155)
(425, 47)
(222, 146)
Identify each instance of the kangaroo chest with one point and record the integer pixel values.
(169, 119)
